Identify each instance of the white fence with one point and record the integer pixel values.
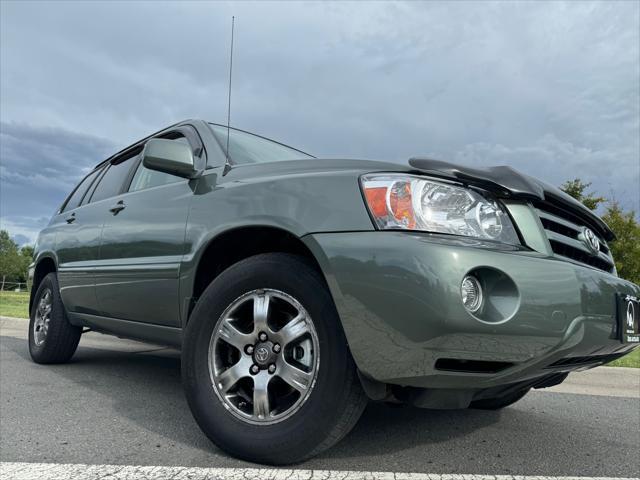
(12, 286)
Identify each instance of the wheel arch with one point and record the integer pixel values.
(44, 266)
(236, 244)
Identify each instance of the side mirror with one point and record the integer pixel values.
(169, 156)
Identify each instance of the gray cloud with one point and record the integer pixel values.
(40, 166)
(551, 88)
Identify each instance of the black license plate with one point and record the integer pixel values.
(629, 318)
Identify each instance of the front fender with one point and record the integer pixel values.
(297, 198)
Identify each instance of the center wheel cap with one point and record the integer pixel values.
(263, 354)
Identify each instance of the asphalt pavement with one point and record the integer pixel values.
(121, 403)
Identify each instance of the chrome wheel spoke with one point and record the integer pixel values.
(43, 307)
(293, 330)
(232, 375)
(45, 311)
(261, 408)
(46, 300)
(260, 312)
(293, 376)
(42, 316)
(233, 336)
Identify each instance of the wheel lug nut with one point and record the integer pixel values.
(263, 337)
(248, 349)
(255, 369)
(276, 348)
(272, 368)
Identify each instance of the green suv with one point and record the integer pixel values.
(299, 288)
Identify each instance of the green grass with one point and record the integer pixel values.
(14, 304)
(630, 360)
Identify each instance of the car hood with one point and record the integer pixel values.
(503, 181)
(507, 182)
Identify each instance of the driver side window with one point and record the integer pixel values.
(145, 178)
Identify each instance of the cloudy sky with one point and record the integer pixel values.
(550, 88)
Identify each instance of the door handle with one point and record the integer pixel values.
(71, 218)
(117, 207)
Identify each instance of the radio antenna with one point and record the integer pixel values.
(233, 18)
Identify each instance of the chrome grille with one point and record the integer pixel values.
(563, 231)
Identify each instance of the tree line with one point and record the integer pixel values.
(14, 261)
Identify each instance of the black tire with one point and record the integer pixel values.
(337, 399)
(61, 340)
(499, 402)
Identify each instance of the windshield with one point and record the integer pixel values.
(246, 148)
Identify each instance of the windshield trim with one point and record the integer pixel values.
(255, 135)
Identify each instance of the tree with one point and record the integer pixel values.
(27, 252)
(625, 249)
(26, 257)
(576, 189)
(9, 257)
(14, 262)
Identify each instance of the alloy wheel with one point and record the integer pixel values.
(264, 356)
(42, 317)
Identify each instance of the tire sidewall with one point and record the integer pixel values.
(309, 425)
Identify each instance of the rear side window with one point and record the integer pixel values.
(77, 195)
(114, 178)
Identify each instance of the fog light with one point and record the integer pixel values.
(471, 292)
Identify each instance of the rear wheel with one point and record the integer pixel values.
(266, 368)
(499, 402)
(52, 339)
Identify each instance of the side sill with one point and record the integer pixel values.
(145, 332)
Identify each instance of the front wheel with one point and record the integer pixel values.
(52, 339)
(266, 367)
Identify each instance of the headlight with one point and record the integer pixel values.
(398, 201)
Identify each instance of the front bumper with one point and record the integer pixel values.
(398, 296)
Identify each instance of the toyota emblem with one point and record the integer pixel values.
(262, 354)
(591, 240)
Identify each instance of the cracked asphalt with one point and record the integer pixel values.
(121, 403)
